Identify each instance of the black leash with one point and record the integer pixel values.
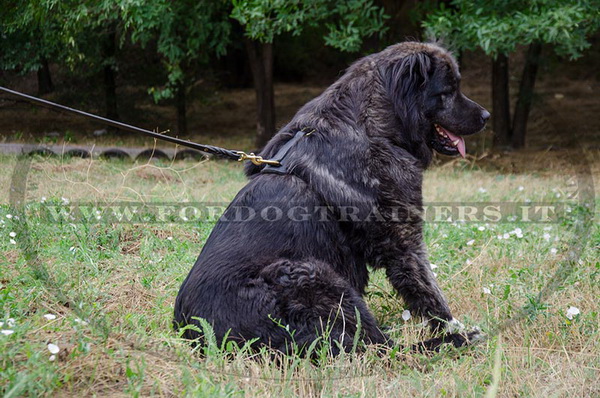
(214, 150)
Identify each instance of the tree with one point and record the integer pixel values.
(82, 34)
(498, 28)
(347, 24)
(29, 38)
(93, 32)
(186, 34)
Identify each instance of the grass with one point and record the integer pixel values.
(111, 288)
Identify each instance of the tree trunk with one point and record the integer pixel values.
(261, 63)
(500, 101)
(523, 105)
(110, 76)
(45, 85)
(110, 92)
(180, 101)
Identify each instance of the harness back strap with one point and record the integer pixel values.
(279, 157)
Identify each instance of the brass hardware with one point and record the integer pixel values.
(257, 160)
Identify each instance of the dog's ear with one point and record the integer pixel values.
(404, 81)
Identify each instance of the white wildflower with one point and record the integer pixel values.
(433, 266)
(486, 290)
(43, 199)
(9, 216)
(406, 315)
(471, 242)
(482, 190)
(521, 188)
(554, 250)
(53, 348)
(572, 311)
(169, 238)
(50, 317)
(65, 201)
(52, 358)
(12, 234)
(13, 242)
(506, 236)
(482, 228)
(7, 332)
(518, 232)
(80, 321)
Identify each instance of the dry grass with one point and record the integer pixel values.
(121, 280)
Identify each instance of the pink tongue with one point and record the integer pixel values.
(461, 143)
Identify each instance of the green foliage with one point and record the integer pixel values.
(187, 34)
(498, 27)
(29, 32)
(87, 28)
(347, 22)
(73, 32)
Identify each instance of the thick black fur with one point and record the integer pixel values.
(351, 199)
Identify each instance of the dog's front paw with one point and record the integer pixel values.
(472, 335)
(464, 338)
(455, 326)
(475, 335)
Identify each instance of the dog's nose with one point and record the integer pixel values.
(485, 115)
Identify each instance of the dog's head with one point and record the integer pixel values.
(423, 85)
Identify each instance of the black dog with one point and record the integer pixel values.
(288, 260)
